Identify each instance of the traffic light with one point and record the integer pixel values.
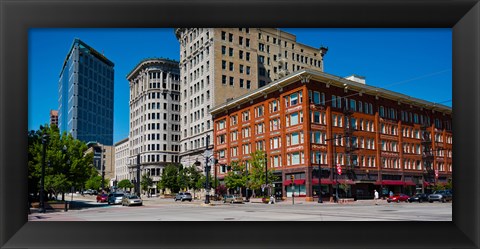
(292, 178)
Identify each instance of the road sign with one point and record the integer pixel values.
(339, 169)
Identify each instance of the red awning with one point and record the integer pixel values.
(390, 182)
(343, 181)
(296, 181)
(324, 181)
(287, 183)
(299, 181)
(410, 183)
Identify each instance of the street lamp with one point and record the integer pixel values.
(207, 170)
(246, 183)
(45, 138)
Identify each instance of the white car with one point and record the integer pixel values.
(129, 200)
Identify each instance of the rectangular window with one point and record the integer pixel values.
(275, 142)
(274, 124)
(224, 79)
(230, 52)
(246, 116)
(221, 124)
(233, 136)
(259, 111)
(231, 81)
(316, 98)
(295, 138)
(353, 105)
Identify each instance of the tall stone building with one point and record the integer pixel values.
(85, 90)
(219, 64)
(154, 117)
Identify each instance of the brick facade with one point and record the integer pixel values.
(386, 144)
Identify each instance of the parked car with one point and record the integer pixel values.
(102, 198)
(398, 198)
(232, 199)
(128, 200)
(418, 198)
(115, 198)
(90, 192)
(183, 196)
(440, 195)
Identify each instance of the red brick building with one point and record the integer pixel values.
(381, 139)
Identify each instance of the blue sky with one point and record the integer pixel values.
(415, 62)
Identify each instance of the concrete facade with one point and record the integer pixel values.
(218, 64)
(103, 155)
(154, 117)
(122, 151)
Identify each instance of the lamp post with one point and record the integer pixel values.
(207, 171)
(42, 179)
(246, 183)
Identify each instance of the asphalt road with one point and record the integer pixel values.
(156, 209)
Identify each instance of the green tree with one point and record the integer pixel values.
(95, 182)
(236, 177)
(193, 179)
(146, 183)
(66, 166)
(124, 184)
(169, 178)
(256, 172)
(182, 178)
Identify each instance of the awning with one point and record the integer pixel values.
(343, 181)
(390, 182)
(296, 181)
(299, 181)
(324, 181)
(410, 183)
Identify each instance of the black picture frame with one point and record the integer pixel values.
(17, 17)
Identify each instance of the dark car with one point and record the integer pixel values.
(440, 195)
(102, 198)
(418, 198)
(183, 196)
(398, 198)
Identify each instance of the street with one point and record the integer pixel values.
(156, 209)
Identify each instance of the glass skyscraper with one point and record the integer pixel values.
(85, 89)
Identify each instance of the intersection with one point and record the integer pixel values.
(156, 209)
